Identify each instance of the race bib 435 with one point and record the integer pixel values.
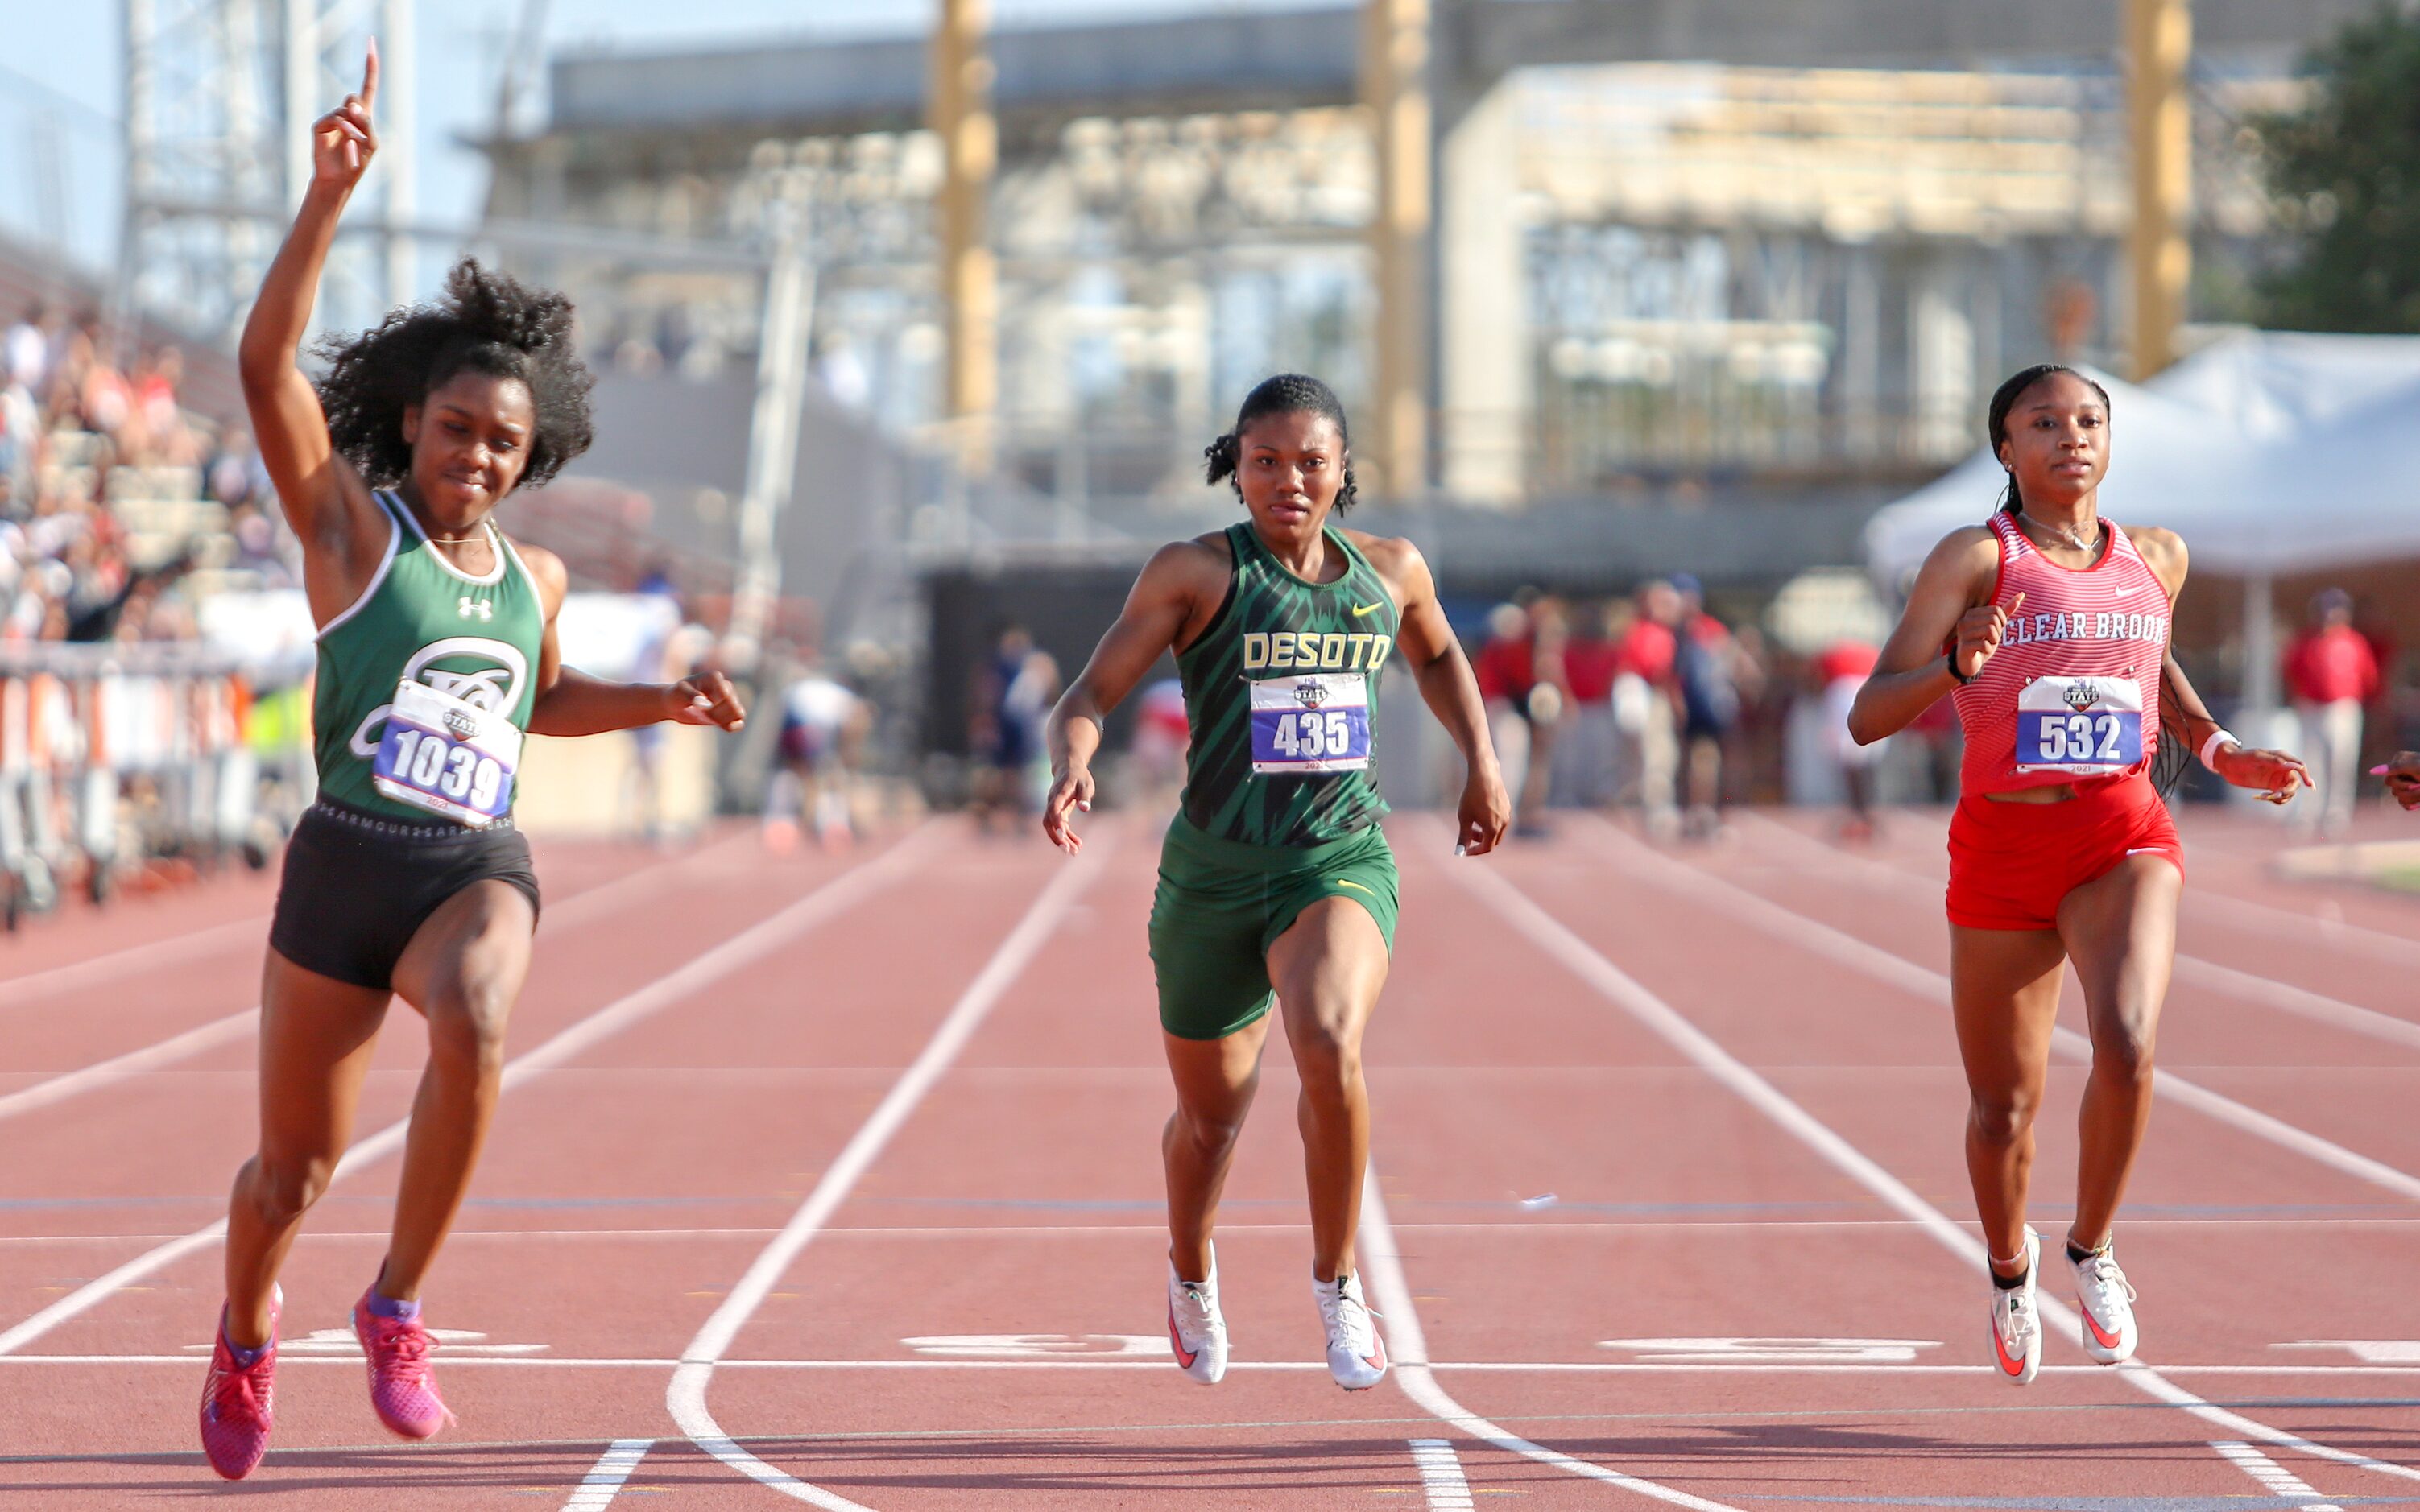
(1315, 724)
(2090, 726)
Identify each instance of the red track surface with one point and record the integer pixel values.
(1740, 1138)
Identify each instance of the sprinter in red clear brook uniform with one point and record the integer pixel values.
(2050, 625)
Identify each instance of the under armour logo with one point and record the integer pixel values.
(480, 607)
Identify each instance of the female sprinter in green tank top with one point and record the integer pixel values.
(1275, 880)
(437, 652)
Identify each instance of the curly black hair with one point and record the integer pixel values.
(486, 322)
(1288, 393)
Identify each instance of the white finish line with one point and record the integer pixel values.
(612, 1468)
(1441, 1475)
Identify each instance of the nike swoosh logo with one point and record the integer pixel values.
(1355, 885)
(2000, 1348)
(1359, 610)
(2108, 1340)
(1184, 1358)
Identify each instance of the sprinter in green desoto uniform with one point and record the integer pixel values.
(1275, 881)
(437, 654)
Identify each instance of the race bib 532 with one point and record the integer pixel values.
(2090, 726)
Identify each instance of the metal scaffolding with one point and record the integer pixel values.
(218, 94)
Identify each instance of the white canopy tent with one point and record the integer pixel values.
(2270, 454)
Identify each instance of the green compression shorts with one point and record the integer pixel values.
(1222, 902)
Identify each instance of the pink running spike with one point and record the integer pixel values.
(238, 1404)
(400, 1388)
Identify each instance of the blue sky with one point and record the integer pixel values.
(72, 50)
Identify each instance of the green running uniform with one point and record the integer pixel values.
(422, 618)
(1281, 806)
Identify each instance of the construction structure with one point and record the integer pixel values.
(1544, 248)
(217, 97)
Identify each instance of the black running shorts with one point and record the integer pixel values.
(357, 886)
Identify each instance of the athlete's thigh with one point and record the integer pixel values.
(1215, 1078)
(2120, 929)
(1329, 967)
(2004, 993)
(473, 951)
(317, 1036)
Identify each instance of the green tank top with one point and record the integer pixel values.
(476, 638)
(1281, 697)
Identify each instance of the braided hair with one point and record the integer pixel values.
(1995, 423)
(486, 322)
(1288, 393)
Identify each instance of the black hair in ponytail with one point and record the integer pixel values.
(1995, 424)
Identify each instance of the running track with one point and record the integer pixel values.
(841, 1174)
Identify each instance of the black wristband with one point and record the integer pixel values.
(1962, 678)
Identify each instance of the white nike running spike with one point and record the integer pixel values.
(1357, 1356)
(2106, 1299)
(1196, 1331)
(2016, 1324)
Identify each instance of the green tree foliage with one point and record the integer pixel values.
(2345, 172)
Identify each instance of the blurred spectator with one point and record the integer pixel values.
(1646, 707)
(1839, 669)
(1019, 685)
(1584, 756)
(2331, 673)
(1709, 667)
(823, 732)
(21, 439)
(235, 474)
(2380, 736)
(1507, 676)
(1157, 757)
(25, 352)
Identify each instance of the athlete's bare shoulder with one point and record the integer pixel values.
(1397, 560)
(553, 578)
(1190, 571)
(2163, 552)
(1968, 556)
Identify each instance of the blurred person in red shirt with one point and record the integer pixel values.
(2332, 674)
(1711, 668)
(1839, 669)
(1506, 670)
(1585, 747)
(1646, 708)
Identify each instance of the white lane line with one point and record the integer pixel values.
(685, 1397)
(1584, 960)
(150, 1057)
(2279, 1481)
(2265, 991)
(1382, 1266)
(612, 1468)
(1550, 1368)
(1441, 1475)
(1820, 938)
(2307, 929)
(701, 971)
(587, 904)
(36, 985)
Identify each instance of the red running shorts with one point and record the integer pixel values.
(2011, 864)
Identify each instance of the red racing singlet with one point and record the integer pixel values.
(2074, 692)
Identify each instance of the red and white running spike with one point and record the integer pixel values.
(1196, 1331)
(1357, 1355)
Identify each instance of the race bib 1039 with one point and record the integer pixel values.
(1310, 724)
(2090, 726)
(447, 756)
